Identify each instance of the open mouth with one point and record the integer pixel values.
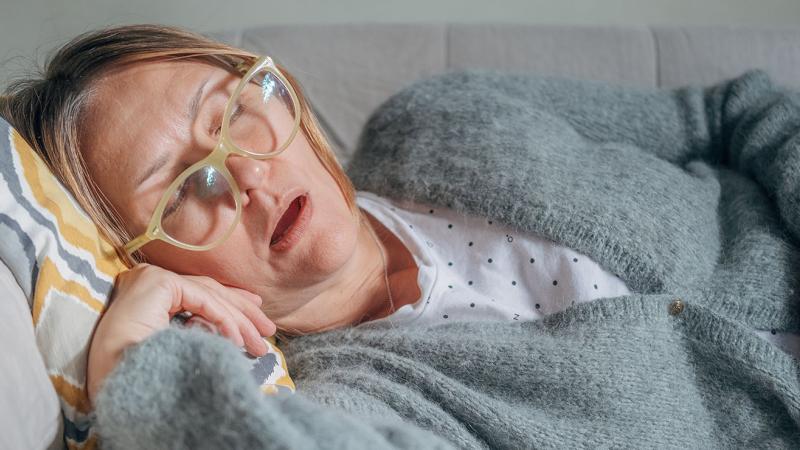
(287, 220)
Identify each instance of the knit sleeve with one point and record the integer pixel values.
(185, 388)
(750, 125)
(754, 129)
(747, 124)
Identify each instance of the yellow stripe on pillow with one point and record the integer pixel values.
(50, 278)
(77, 397)
(72, 225)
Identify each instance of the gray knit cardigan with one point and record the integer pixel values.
(690, 195)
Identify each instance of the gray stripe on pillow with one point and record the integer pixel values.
(76, 264)
(19, 253)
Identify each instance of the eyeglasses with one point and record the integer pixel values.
(202, 206)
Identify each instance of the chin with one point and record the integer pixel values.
(325, 250)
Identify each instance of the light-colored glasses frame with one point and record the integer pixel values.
(216, 159)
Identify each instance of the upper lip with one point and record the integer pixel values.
(284, 203)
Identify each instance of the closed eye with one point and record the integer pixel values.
(237, 112)
(176, 204)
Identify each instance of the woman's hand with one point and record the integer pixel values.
(146, 297)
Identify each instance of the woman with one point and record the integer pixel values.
(337, 281)
(620, 175)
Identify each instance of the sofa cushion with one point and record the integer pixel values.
(705, 55)
(621, 55)
(24, 378)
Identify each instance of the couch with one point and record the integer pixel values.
(349, 69)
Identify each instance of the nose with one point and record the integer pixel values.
(249, 174)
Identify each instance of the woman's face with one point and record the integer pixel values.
(140, 117)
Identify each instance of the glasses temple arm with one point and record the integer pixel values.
(136, 243)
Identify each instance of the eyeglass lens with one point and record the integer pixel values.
(203, 209)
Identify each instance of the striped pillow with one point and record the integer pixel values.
(67, 271)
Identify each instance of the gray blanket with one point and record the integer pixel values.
(689, 195)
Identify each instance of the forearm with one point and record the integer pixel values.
(747, 124)
(677, 124)
(184, 388)
(669, 123)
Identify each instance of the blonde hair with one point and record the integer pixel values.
(47, 111)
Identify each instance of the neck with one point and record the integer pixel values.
(362, 294)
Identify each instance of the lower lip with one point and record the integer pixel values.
(296, 230)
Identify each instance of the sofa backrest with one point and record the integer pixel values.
(348, 70)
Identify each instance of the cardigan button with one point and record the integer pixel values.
(676, 307)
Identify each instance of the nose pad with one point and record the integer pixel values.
(203, 141)
(249, 173)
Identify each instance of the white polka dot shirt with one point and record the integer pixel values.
(475, 268)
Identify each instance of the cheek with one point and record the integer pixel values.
(176, 259)
(332, 230)
(228, 264)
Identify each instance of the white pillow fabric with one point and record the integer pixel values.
(33, 420)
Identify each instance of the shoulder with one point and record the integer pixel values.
(445, 89)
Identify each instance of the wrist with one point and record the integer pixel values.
(104, 355)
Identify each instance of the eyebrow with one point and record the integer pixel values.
(191, 114)
(194, 104)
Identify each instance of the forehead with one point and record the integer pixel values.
(155, 73)
(139, 107)
(137, 93)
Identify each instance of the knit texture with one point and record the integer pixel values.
(689, 195)
(188, 389)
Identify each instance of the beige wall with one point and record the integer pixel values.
(31, 28)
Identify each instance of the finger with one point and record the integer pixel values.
(244, 293)
(255, 298)
(204, 303)
(198, 321)
(252, 339)
(264, 326)
(242, 300)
